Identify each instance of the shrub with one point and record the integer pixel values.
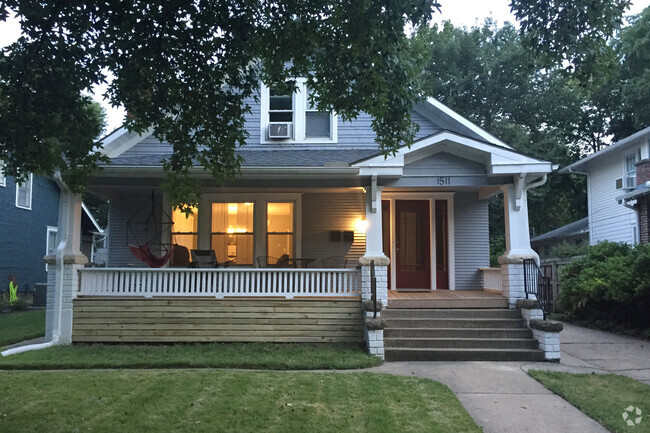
(19, 305)
(612, 283)
(565, 250)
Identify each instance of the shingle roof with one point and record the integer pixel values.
(573, 229)
(267, 158)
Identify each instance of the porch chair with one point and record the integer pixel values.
(267, 262)
(285, 262)
(334, 262)
(180, 256)
(204, 259)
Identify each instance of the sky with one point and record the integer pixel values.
(460, 12)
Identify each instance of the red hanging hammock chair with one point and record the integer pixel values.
(142, 252)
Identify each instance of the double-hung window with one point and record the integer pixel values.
(232, 232)
(50, 242)
(24, 193)
(279, 229)
(630, 166)
(185, 228)
(292, 118)
(3, 180)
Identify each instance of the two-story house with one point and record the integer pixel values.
(616, 185)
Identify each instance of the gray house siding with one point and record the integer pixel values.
(444, 164)
(324, 212)
(471, 240)
(355, 133)
(137, 208)
(23, 232)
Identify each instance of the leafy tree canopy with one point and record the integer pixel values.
(187, 69)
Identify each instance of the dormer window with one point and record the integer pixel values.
(291, 118)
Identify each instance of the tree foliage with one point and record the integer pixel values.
(489, 76)
(188, 70)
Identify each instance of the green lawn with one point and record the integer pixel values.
(225, 401)
(215, 355)
(603, 397)
(17, 327)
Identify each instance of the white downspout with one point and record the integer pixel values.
(58, 296)
(56, 332)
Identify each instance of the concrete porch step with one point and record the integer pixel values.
(395, 332)
(463, 313)
(423, 354)
(495, 302)
(461, 343)
(453, 323)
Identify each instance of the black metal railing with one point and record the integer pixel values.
(373, 288)
(536, 283)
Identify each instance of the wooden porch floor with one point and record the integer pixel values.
(446, 299)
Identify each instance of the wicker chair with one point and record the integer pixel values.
(180, 256)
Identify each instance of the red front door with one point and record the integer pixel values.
(412, 244)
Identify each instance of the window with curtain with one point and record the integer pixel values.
(232, 232)
(279, 229)
(185, 228)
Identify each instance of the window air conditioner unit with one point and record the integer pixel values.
(279, 130)
(626, 182)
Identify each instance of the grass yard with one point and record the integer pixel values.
(213, 355)
(225, 401)
(603, 397)
(17, 327)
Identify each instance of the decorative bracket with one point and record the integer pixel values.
(373, 194)
(520, 183)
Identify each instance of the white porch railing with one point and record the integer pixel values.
(492, 279)
(220, 283)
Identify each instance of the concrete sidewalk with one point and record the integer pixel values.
(502, 397)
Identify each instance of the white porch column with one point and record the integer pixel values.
(374, 252)
(63, 275)
(518, 247)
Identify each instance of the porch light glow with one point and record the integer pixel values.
(361, 225)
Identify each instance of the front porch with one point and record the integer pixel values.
(443, 299)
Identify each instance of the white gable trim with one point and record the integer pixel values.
(472, 126)
(122, 140)
(501, 161)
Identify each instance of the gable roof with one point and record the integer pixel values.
(619, 146)
(119, 141)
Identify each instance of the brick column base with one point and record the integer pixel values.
(374, 338)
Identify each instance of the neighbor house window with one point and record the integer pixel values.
(232, 232)
(305, 122)
(24, 193)
(50, 242)
(3, 181)
(279, 229)
(630, 166)
(185, 228)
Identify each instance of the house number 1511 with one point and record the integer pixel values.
(444, 180)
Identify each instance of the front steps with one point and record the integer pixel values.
(498, 334)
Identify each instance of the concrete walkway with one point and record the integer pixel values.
(501, 397)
